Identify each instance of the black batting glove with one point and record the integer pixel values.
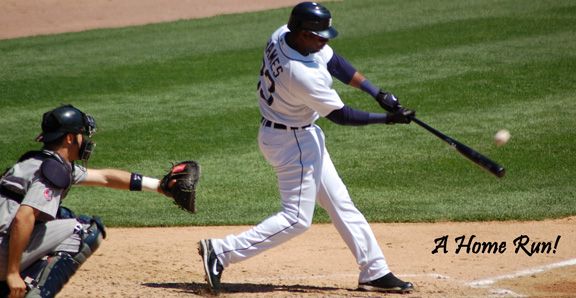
(388, 101)
(401, 116)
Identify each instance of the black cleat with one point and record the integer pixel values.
(387, 284)
(212, 267)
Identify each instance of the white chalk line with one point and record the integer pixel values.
(526, 272)
(487, 282)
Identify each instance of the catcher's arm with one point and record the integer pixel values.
(119, 179)
(179, 183)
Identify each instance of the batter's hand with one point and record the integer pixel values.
(401, 116)
(388, 101)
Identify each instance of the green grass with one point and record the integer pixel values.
(186, 90)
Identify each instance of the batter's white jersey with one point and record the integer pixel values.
(295, 90)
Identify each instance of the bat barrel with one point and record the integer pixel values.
(473, 155)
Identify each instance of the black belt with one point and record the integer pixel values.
(269, 123)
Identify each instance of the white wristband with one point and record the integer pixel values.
(150, 184)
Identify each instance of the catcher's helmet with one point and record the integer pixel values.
(313, 17)
(65, 119)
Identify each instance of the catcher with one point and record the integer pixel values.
(42, 244)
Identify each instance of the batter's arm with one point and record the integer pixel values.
(341, 69)
(357, 80)
(348, 116)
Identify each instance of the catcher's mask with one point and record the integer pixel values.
(86, 149)
(312, 17)
(68, 119)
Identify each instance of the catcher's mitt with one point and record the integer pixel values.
(180, 184)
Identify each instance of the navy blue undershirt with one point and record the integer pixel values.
(341, 69)
(348, 116)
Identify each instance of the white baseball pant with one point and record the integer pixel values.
(305, 174)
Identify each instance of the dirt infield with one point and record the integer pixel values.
(154, 262)
(20, 18)
(503, 259)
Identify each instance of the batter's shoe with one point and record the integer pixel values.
(212, 267)
(387, 284)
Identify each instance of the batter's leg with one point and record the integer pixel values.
(351, 224)
(295, 156)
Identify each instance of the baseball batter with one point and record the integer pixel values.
(294, 90)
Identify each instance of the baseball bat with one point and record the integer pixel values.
(473, 155)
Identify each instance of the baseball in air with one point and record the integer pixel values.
(501, 137)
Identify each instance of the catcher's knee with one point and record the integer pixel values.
(64, 213)
(91, 235)
(47, 276)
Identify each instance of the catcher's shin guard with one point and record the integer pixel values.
(45, 279)
(56, 273)
(30, 276)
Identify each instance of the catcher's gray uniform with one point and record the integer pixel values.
(25, 183)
